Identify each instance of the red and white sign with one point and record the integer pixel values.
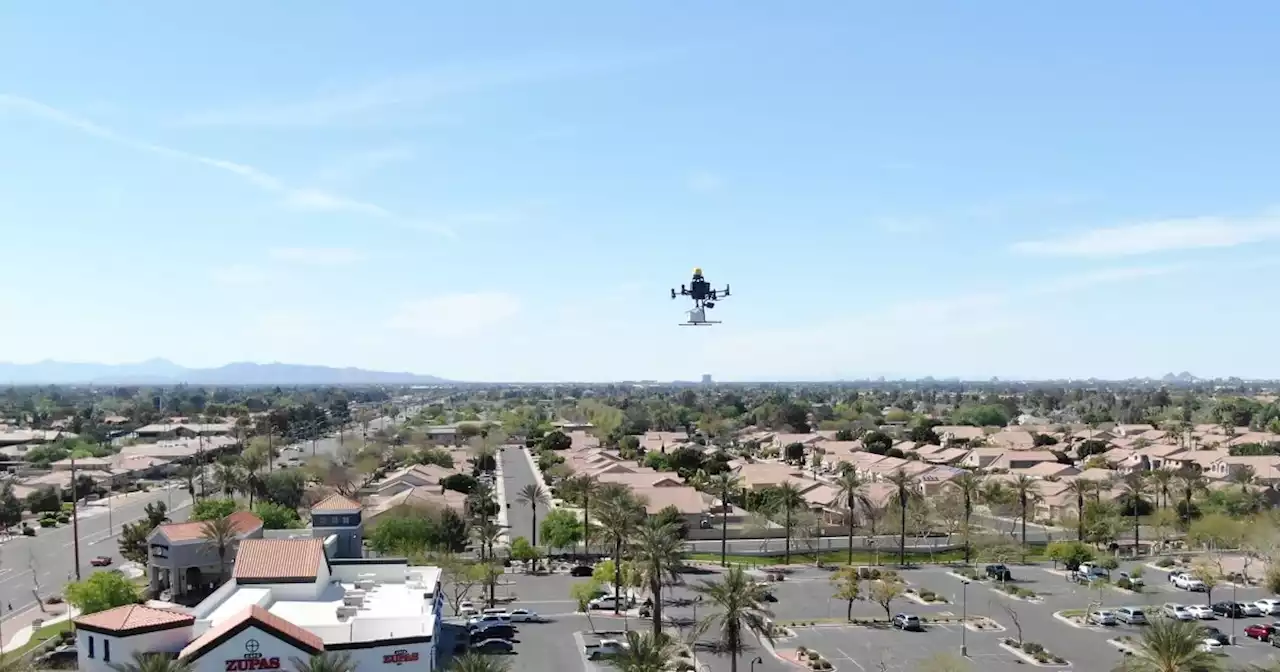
(400, 657)
(252, 660)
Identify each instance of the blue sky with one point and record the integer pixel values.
(508, 192)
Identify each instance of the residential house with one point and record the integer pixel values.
(981, 458)
(1266, 468)
(761, 475)
(958, 433)
(167, 430)
(1043, 470)
(1022, 459)
(1012, 438)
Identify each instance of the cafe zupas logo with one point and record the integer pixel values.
(400, 657)
(252, 660)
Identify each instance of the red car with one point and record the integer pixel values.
(100, 561)
(1260, 631)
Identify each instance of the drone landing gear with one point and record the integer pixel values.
(698, 318)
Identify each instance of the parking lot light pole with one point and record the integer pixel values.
(757, 659)
(1234, 605)
(964, 619)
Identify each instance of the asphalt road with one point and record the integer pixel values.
(47, 560)
(332, 444)
(516, 474)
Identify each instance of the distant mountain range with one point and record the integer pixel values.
(165, 372)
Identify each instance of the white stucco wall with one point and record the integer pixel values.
(123, 648)
(237, 647)
(371, 660)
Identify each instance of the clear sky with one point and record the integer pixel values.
(507, 191)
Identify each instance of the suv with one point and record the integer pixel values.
(999, 573)
(907, 622)
(1229, 609)
(1131, 616)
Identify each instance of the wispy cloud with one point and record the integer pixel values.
(301, 198)
(455, 315)
(383, 99)
(1157, 236)
(356, 166)
(318, 256)
(705, 182)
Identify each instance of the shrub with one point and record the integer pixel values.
(1164, 562)
(1124, 583)
(1032, 648)
(28, 531)
(48, 521)
(812, 655)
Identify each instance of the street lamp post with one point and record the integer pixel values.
(755, 660)
(964, 619)
(1234, 605)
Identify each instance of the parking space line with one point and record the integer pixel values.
(850, 659)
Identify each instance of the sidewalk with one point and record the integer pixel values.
(20, 636)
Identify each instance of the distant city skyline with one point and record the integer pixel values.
(967, 190)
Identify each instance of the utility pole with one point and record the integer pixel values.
(75, 516)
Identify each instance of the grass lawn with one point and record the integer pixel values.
(44, 633)
(885, 557)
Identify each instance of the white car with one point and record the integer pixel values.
(1251, 609)
(1210, 645)
(607, 602)
(1177, 612)
(1188, 582)
(1201, 611)
(1102, 617)
(489, 619)
(524, 616)
(1268, 606)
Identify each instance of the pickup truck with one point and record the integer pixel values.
(1188, 582)
(606, 648)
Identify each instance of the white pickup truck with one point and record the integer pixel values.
(1187, 582)
(606, 648)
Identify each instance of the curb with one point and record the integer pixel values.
(1030, 659)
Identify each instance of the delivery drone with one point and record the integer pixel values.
(704, 299)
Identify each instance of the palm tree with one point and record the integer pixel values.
(725, 484)
(228, 478)
(1243, 477)
(970, 486)
(331, 661)
(1190, 482)
(475, 662)
(1080, 487)
(620, 515)
(1132, 487)
(852, 497)
(252, 462)
(740, 601)
(584, 487)
(151, 662)
(219, 534)
(533, 495)
(905, 486)
(1161, 479)
(786, 498)
(1026, 489)
(644, 652)
(1168, 645)
(658, 555)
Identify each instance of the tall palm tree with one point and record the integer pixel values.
(645, 652)
(533, 495)
(620, 515)
(1190, 481)
(740, 601)
(475, 662)
(1026, 490)
(1168, 645)
(251, 462)
(851, 496)
(1243, 477)
(658, 555)
(330, 661)
(1132, 488)
(152, 662)
(1161, 480)
(1080, 488)
(786, 498)
(219, 534)
(584, 488)
(904, 486)
(229, 478)
(970, 486)
(724, 484)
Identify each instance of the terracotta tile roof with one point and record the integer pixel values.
(244, 522)
(129, 618)
(263, 620)
(336, 502)
(279, 559)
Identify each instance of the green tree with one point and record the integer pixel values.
(525, 552)
(725, 484)
(582, 490)
(582, 594)
(285, 487)
(1026, 490)
(102, 591)
(644, 652)
(152, 662)
(133, 542)
(969, 486)
(786, 500)
(475, 662)
(561, 529)
(10, 507)
(848, 585)
(1168, 645)
(884, 591)
(738, 608)
(212, 508)
(904, 485)
(533, 495)
(556, 440)
(431, 455)
(156, 514)
(658, 556)
(276, 517)
(1070, 553)
(219, 534)
(44, 499)
(620, 515)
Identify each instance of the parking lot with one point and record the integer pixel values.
(805, 595)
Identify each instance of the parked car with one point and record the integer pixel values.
(1260, 631)
(1188, 582)
(1268, 606)
(482, 633)
(524, 616)
(582, 570)
(1201, 611)
(1177, 612)
(604, 649)
(1214, 633)
(489, 618)
(101, 561)
(1210, 645)
(1250, 609)
(494, 647)
(999, 572)
(607, 602)
(1102, 617)
(907, 622)
(1229, 609)
(1131, 616)
(1133, 580)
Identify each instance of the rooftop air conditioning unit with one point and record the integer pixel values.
(346, 612)
(365, 584)
(353, 600)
